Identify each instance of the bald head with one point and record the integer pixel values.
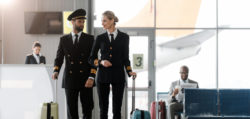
(184, 72)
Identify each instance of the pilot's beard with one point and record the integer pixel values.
(79, 29)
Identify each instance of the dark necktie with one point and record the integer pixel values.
(112, 38)
(38, 62)
(76, 38)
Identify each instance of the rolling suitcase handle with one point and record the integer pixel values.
(55, 99)
(48, 111)
(157, 110)
(49, 104)
(133, 96)
(55, 90)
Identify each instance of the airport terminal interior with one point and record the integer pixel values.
(211, 37)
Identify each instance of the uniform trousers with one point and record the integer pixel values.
(103, 90)
(86, 98)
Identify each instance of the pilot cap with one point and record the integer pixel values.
(77, 14)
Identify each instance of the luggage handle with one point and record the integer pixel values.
(55, 91)
(156, 110)
(133, 95)
(48, 110)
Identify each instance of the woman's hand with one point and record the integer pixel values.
(133, 74)
(106, 63)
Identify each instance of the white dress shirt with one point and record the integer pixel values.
(73, 36)
(37, 58)
(115, 32)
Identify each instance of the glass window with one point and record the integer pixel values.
(234, 58)
(131, 13)
(234, 13)
(142, 79)
(186, 13)
(194, 48)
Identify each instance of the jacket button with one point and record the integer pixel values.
(80, 62)
(81, 71)
(110, 55)
(70, 72)
(110, 48)
(68, 55)
(72, 62)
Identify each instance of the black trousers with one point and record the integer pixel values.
(86, 98)
(103, 90)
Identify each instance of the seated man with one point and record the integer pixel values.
(176, 95)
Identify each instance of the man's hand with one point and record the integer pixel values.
(89, 83)
(55, 75)
(106, 63)
(176, 91)
(133, 74)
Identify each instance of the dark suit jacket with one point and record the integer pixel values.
(77, 68)
(30, 59)
(117, 53)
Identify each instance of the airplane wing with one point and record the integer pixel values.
(181, 48)
(189, 40)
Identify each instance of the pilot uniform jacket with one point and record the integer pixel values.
(117, 53)
(77, 69)
(30, 59)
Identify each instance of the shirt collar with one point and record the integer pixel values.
(73, 34)
(115, 32)
(36, 55)
(184, 81)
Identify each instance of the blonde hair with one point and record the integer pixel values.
(110, 15)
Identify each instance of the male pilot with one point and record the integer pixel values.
(175, 98)
(75, 48)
